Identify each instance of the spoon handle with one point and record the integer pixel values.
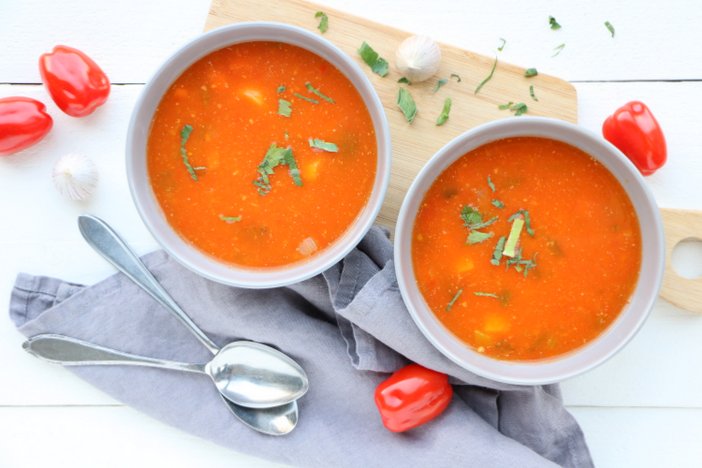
(107, 243)
(69, 351)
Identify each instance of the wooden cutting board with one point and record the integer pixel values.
(414, 144)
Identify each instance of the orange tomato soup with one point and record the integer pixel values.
(526, 248)
(262, 154)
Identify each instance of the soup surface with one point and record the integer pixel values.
(526, 248)
(262, 154)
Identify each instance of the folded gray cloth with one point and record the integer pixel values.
(353, 310)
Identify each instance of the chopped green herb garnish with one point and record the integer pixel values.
(519, 108)
(497, 253)
(472, 219)
(476, 237)
(284, 108)
(305, 98)
(484, 294)
(457, 77)
(527, 220)
(520, 264)
(554, 24)
(378, 65)
(323, 21)
(275, 157)
(502, 44)
(609, 27)
(497, 203)
(443, 117)
(404, 80)
(531, 93)
(558, 49)
(487, 78)
(230, 219)
(406, 104)
(439, 84)
(323, 145)
(184, 136)
(454, 299)
(281, 89)
(490, 183)
(529, 72)
(314, 90)
(513, 238)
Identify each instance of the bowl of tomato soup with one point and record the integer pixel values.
(529, 250)
(258, 155)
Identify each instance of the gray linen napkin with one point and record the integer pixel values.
(353, 310)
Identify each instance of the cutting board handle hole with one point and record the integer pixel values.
(686, 258)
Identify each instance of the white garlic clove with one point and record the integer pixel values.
(418, 58)
(75, 176)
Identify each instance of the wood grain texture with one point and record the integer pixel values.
(413, 144)
(681, 225)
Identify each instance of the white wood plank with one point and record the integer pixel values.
(643, 437)
(117, 437)
(108, 437)
(43, 239)
(654, 40)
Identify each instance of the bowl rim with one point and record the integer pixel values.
(187, 254)
(568, 365)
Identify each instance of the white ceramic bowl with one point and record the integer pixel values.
(619, 332)
(148, 206)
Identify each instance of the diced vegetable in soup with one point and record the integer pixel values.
(526, 248)
(262, 154)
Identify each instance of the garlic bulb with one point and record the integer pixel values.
(418, 58)
(75, 176)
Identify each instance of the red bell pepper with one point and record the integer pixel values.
(412, 396)
(23, 122)
(76, 83)
(636, 132)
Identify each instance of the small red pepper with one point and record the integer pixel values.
(23, 122)
(77, 85)
(412, 396)
(636, 132)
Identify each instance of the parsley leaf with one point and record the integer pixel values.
(314, 90)
(454, 299)
(184, 136)
(527, 220)
(487, 78)
(230, 219)
(305, 98)
(439, 84)
(323, 21)
(497, 203)
(378, 65)
(404, 80)
(497, 253)
(558, 49)
(490, 183)
(281, 89)
(501, 47)
(529, 72)
(531, 93)
(443, 117)
(406, 104)
(273, 158)
(519, 108)
(609, 27)
(323, 145)
(284, 108)
(476, 237)
(553, 23)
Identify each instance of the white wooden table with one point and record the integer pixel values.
(643, 408)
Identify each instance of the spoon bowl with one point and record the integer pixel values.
(250, 374)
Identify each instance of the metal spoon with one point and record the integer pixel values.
(250, 374)
(69, 351)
